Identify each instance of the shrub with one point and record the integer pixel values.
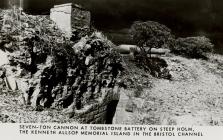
(193, 47)
(157, 67)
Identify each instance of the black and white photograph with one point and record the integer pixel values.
(112, 62)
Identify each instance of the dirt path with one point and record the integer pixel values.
(193, 97)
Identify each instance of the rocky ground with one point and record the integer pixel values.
(194, 96)
(13, 111)
(47, 69)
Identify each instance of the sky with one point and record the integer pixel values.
(114, 17)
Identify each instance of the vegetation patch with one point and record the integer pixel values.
(193, 47)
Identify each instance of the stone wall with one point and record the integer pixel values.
(69, 17)
(80, 18)
(100, 112)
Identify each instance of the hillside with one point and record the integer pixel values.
(194, 96)
(44, 70)
(47, 77)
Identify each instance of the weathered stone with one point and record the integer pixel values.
(100, 115)
(53, 73)
(3, 58)
(70, 16)
(11, 83)
(130, 106)
(102, 109)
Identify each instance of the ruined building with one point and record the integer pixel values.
(62, 76)
(71, 17)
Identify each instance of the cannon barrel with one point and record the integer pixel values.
(126, 49)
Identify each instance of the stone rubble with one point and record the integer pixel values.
(52, 71)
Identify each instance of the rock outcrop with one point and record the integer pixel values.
(50, 71)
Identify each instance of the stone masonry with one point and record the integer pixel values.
(70, 17)
(100, 112)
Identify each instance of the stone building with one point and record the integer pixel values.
(71, 17)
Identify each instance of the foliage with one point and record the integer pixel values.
(67, 73)
(157, 67)
(33, 37)
(193, 47)
(151, 34)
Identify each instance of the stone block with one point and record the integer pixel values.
(61, 15)
(70, 17)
